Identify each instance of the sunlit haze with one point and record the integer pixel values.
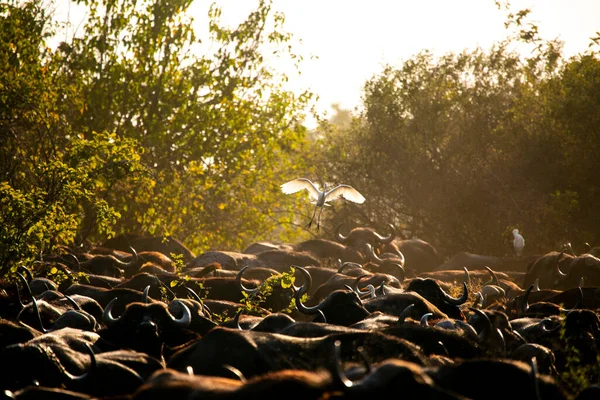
(346, 42)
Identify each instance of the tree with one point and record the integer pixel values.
(50, 173)
(461, 149)
(219, 131)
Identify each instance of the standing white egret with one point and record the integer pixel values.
(321, 197)
(518, 242)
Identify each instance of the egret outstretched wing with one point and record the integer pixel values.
(298, 184)
(345, 191)
(321, 197)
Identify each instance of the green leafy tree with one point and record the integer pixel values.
(219, 131)
(50, 173)
(460, 149)
(571, 103)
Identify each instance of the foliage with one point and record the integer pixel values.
(284, 280)
(460, 149)
(178, 263)
(51, 176)
(42, 205)
(187, 281)
(219, 318)
(138, 126)
(218, 128)
(134, 127)
(59, 276)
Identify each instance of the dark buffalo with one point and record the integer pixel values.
(168, 245)
(256, 353)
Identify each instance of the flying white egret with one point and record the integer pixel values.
(518, 242)
(321, 197)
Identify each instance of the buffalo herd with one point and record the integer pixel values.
(365, 313)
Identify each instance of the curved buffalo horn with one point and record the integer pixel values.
(587, 246)
(387, 239)
(238, 279)
(400, 273)
(339, 376)
(91, 370)
(374, 257)
(34, 282)
(307, 281)
(546, 325)
(107, 316)
(74, 257)
(236, 319)
(37, 312)
(320, 317)
(349, 264)
(370, 289)
(145, 294)
(27, 272)
(467, 276)
(395, 254)
(570, 249)
(130, 263)
(294, 288)
(186, 318)
(341, 238)
(236, 372)
(194, 294)
(33, 300)
(382, 288)
(339, 371)
(405, 313)
(536, 284)
(303, 289)
(75, 305)
(493, 291)
(25, 285)
(401, 256)
(479, 300)
(494, 280)
(207, 310)
(461, 300)
(134, 257)
(199, 300)
(558, 271)
(502, 340)
(19, 296)
(517, 334)
(47, 287)
(444, 348)
(425, 318)
(524, 300)
(487, 326)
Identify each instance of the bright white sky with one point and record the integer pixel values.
(352, 39)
